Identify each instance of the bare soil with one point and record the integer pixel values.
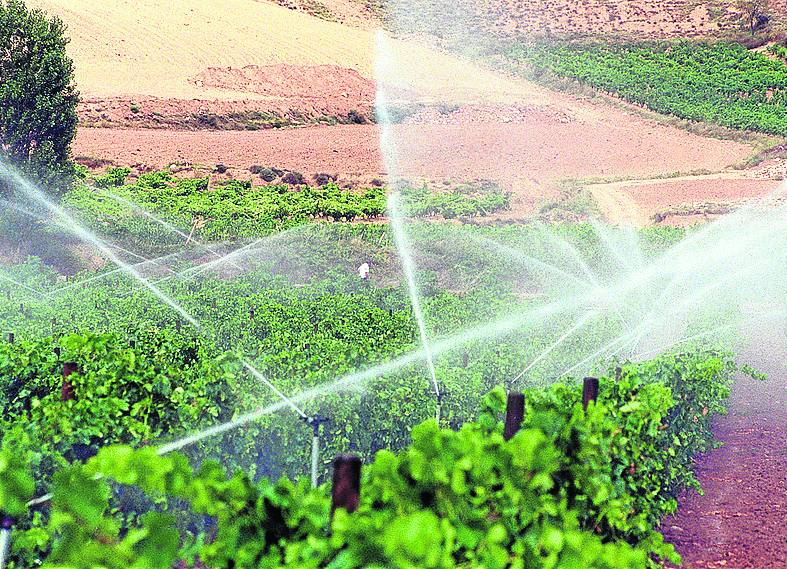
(525, 149)
(739, 523)
(682, 200)
(288, 94)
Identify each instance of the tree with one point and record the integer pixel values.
(38, 96)
(755, 14)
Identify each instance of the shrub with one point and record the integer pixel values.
(38, 96)
(113, 177)
(354, 117)
(293, 178)
(267, 174)
(321, 179)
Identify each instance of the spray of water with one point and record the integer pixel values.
(403, 247)
(394, 210)
(34, 194)
(165, 224)
(15, 282)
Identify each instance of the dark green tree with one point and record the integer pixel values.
(38, 96)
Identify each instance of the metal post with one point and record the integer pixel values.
(515, 412)
(67, 389)
(589, 391)
(5, 540)
(346, 492)
(315, 423)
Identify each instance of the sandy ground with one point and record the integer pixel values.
(160, 49)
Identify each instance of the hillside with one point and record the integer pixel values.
(118, 52)
(632, 19)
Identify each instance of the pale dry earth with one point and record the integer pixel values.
(201, 64)
(680, 200)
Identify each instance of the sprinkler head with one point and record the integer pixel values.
(315, 421)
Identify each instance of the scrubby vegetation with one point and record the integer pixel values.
(238, 209)
(722, 83)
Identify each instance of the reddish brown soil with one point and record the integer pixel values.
(524, 149)
(660, 195)
(740, 521)
(295, 93)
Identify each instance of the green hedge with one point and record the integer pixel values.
(722, 83)
(571, 489)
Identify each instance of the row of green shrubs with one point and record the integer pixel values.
(236, 208)
(573, 488)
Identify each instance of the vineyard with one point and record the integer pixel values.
(720, 83)
(291, 307)
(237, 209)
(217, 362)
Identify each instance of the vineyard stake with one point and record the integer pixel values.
(67, 389)
(346, 491)
(5, 539)
(589, 391)
(515, 412)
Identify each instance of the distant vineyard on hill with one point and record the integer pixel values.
(722, 83)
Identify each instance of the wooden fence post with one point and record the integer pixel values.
(346, 491)
(67, 389)
(515, 412)
(589, 391)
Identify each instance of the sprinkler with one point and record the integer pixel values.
(6, 524)
(315, 421)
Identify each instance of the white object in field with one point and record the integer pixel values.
(363, 271)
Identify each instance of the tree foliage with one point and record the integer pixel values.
(38, 96)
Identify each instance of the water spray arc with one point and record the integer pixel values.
(404, 248)
(382, 70)
(165, 224)
(36, 195)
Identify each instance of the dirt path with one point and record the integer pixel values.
(618, 207)
(636, 202)
(740, 521)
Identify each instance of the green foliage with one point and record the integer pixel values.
(38, 97)
(237, 209)
(722, 83)
(230, 210)
(113, 177)
(468, 201)
(779, 51)
(572, 488)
